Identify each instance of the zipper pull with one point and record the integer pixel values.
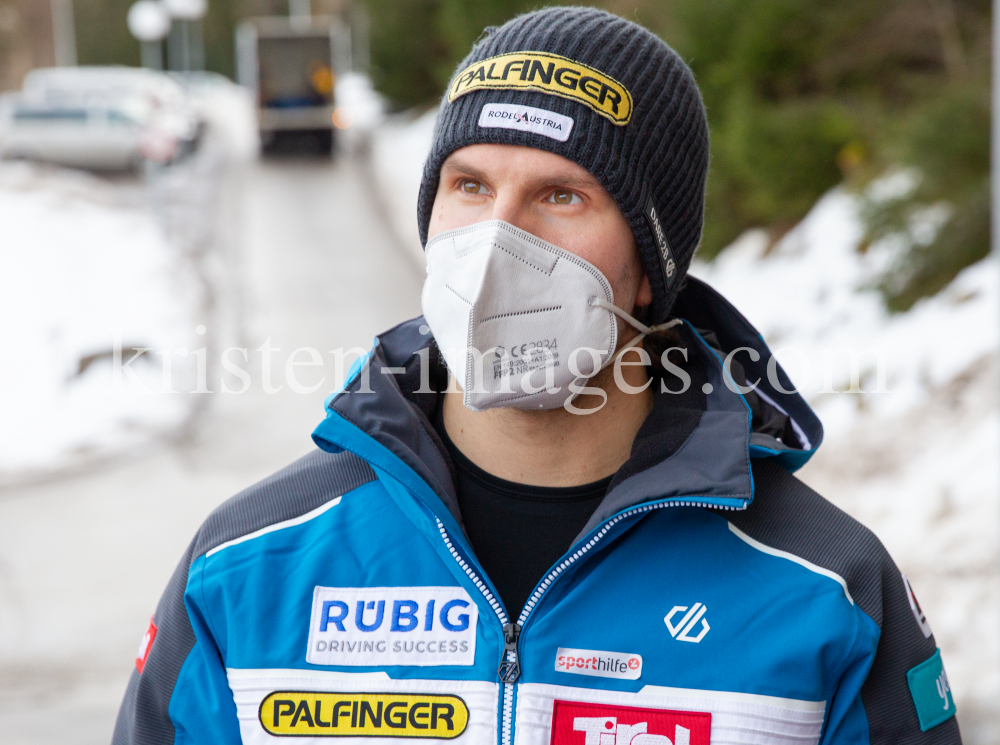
(510, 667)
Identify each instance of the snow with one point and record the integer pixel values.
(911, 451)
(365, 106)
(82, 267)
(829, 284)
(229, 110)
(90, 265)
(399, 149)
(914, 459)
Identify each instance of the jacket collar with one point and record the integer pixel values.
(389, 397)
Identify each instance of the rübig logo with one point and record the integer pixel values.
(682, 630)
(362, 626)
(577, 723)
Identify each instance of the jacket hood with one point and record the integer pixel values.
(384, 411)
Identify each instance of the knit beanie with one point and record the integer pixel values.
(605, 93)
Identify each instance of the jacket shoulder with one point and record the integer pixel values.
(301, 487)
(789, 516)
(306, 484)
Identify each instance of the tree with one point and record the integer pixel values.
(801, 96)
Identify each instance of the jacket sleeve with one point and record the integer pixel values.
(888, 692)
(900, 695)
(906, 695)
(181, 694)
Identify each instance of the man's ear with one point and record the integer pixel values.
(644, 295)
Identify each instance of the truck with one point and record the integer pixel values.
(291, 64)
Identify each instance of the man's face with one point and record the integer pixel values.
(548, 196)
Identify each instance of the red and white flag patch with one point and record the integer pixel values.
(576, 723)
(144, 646)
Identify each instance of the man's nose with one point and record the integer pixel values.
(511, 208)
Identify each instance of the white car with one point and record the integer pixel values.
(98, 117)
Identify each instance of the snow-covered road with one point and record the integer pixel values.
(83, 560)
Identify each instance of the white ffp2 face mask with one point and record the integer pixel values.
(520, 322)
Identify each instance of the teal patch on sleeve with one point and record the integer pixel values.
(931, 692)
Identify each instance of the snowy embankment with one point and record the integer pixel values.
(911, 451)
(92, 269)
(914, 453)
(399, 148)
(83, 266)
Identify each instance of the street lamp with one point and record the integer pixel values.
(63, 32)
(186, 46)
(149, 22)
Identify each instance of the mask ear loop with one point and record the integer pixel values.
(643, 330)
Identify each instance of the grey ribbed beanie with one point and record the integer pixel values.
(638, 123)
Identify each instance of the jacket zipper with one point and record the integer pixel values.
(562, 566)
(510, 666)
(509, 669)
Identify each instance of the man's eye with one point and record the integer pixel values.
(564, 197)
(474, 187)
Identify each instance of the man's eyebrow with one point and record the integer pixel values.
(459, 166)
(573, 182)
(569, 181)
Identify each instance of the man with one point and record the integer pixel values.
(558, 508)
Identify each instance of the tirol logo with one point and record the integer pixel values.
(526, 119)
(370, 626)
(682, 629)
(548, 73)
(600, 664)
(576, 723)
(318, 714)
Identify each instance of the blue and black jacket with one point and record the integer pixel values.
(712, 597)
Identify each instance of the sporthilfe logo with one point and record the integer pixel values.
(577, 723)
(681, 631)
(364, 626)
(600, 664)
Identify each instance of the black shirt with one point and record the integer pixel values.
(518, 531)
